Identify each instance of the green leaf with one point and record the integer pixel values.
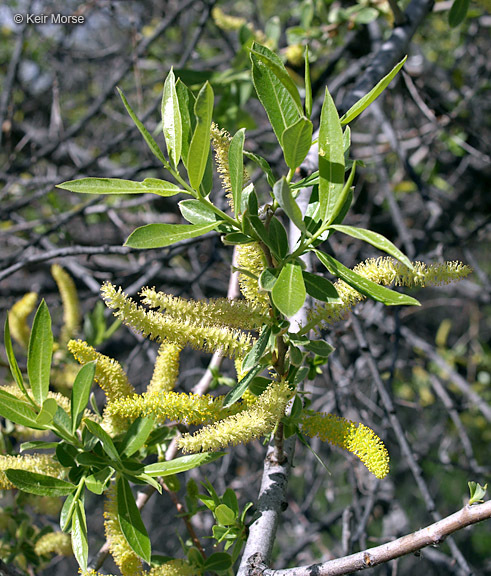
(255, 354)
(200, 144)
(374, 239)
(40, 353)
(89, 459)
(186, 108)
(458, 12)
(320, 288)
(289, 292)
(343, 201)
(119, 186)
(218, 562)
(296, 142)
(196, 212)
(239, 389)
(181, 464)
(236, 167)
(171, 119)
(319, 347)
(80, 545)
(130, 521)
(275, 66)
(99, 481)
(331, 160)
(105, 439)
(48, 411)
(14, 367)
(268, 278)
(224, 515)
(477, 492)
(136, 436)
(308, 85)
(374, 93)
(37, 445)
(67, 512)
(144, 132)
(278, 238)
(363, 285)
(264, 165)
(280, 106)
(18, 411)
(39, 484)
(81, 392)
(285, 199)
(160, 235)
(236, 238)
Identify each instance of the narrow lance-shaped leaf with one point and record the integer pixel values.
(344, 199)
(275, 65)
(14, 366)
(363, 285)
(289, 292)
(196, 212)
(280, 106)
(40, 353)
(458, 12)
(136, 436)
(331, 159)
(144, 132)
(18, 411)
(374, 239)
(79, 535)
(160, 235)
(81, 392)
(255, 354)
(283, 195)
(130, 521)
(200, 144)
(105, 439)
(374, 93)
(320, 288)
(39, 484)
(296, 142)
(181, 464)
(171, 119)
(186, 108)
(236, 167)
(308, 85)
(239, 389)
(119, 186)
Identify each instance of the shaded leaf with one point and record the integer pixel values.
(255, 354)
(320, 288)
(105, 439)
(130, 521)
(39, 484)
(136, 436)
(239, 389)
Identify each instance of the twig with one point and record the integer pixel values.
(432, 535)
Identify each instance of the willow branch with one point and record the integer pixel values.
(432, 535)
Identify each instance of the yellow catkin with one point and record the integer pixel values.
(70, 302)
(356, 438)
(54, 543)
(109, 373)
(220, 311)
(160, 327)
(188, 408)
(225, 21)
(124, 557)
(39, 463)
(19, 329)
(174, 567)
(255, 421)
(386, 271)
(250, 257)
(166, 369)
